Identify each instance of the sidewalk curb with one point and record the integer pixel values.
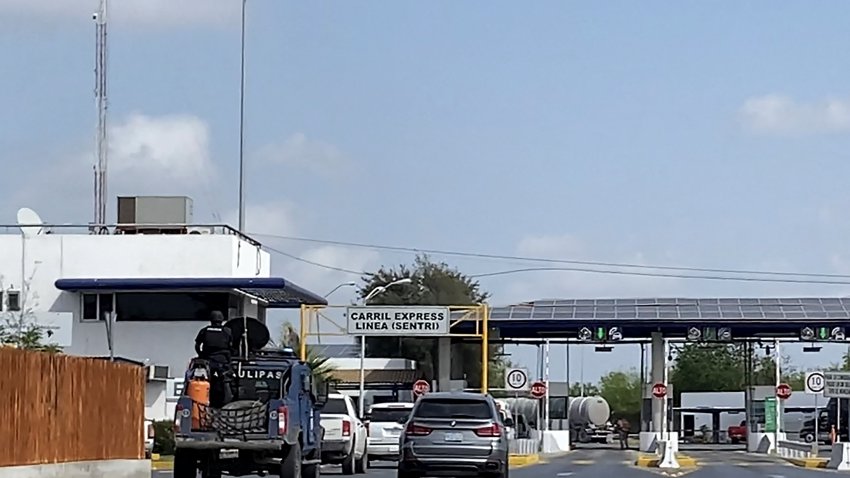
(521, 461)
(160, 464)
(808, 462)
(652, 460)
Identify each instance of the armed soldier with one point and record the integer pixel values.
(214, 343)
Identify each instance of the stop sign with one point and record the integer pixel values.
(659, 390)
(421, 387)
(783, 391)
(538, 389)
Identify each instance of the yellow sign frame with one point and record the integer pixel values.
(479, 315)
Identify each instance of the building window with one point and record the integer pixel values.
(169, 306)
(13, 300)
(97, 306)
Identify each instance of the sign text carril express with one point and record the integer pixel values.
(398, 320)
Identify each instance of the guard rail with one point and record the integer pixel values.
(796, 449)
(525, 446)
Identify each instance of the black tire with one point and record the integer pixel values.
(290, 465)
(361, 466)
(185, 464)
(407, 474)
(348, 465)
(310, 471)
(809, 437)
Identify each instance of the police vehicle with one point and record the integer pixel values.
(268, 423)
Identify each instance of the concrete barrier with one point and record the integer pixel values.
(82, 469)
(840, 457)
(794, 449)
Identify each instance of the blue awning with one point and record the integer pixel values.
(277, 292)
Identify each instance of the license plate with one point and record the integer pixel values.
(229, 453)
(454, 437)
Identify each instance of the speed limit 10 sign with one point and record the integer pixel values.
(815, 383)
(516, 380)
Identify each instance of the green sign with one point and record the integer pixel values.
(770, 414)
(601, 333)
(823, 333)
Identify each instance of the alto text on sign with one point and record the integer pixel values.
(379, 320)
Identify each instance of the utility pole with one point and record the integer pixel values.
(242, 127)
(101, 138)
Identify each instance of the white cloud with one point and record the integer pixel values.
(574, 284)
(146, 13)
(783, 115)
(273, 218)
(172, 147)
(302, 152)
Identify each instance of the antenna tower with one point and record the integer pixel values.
(101, 139)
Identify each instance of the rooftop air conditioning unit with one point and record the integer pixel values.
(201, 230)
(154, 214)
(158, 373)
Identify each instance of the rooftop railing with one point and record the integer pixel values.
(129, 229)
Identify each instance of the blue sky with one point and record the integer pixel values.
(711, 134)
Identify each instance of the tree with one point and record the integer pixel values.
(432, 284)
(589, 389)
(721, 368)
(320, 365)
(622, 391)
(21, 329)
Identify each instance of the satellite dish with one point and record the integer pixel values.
(258, 333)
(30, 222)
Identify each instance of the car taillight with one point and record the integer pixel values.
(491, 431)
(346, 428)
(282, 420)
(178, 414)
(417, 430)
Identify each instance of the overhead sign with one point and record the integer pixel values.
(413, 320)
(659, 390)
(516, 380)
(836, 384)
(600, 333)
(709, 334)
(538, 389)
(823, 334)
(815, 383)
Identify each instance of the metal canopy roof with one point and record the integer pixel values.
(748, 317)
(276, 292)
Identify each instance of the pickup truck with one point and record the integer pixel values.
(385, 422)
(738, 434)
(344, 441)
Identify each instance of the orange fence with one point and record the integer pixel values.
(58, 408)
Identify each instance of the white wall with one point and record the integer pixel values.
(155, 404)
(47, 258)
(372, 364)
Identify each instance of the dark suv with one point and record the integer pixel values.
(453, 434)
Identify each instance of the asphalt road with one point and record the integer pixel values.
(603, 462)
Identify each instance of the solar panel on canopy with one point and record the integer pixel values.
(678, 308)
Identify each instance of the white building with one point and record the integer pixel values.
(159, 283)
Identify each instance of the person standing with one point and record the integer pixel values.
(623, 427)
(214, 343)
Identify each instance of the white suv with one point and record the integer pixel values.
(385, 422)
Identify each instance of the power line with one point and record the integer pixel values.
(501, 257)
(314, 263)
(660, 274)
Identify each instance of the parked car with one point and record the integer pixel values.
(385, 422)
(456, 433)
(345, 441)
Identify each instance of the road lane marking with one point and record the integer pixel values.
(565, 473)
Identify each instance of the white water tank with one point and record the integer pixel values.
(594, 410)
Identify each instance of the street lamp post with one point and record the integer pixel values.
(361, 402)
(318, 319)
